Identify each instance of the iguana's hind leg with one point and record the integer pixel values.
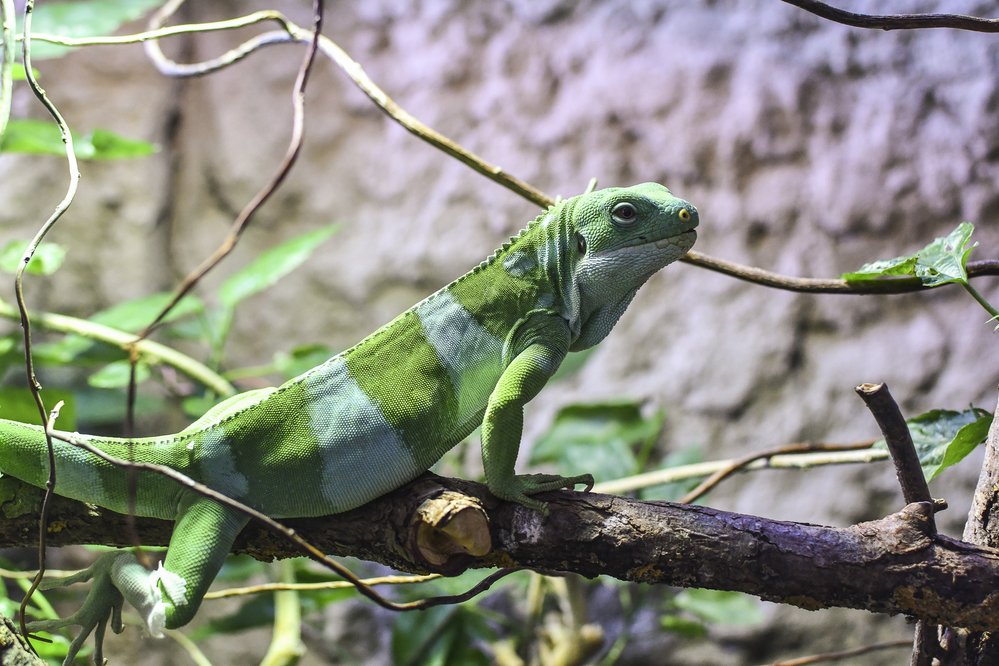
(202, 538)
(165, 597)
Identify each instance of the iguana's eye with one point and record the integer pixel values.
(581, 243)
(684, 215)
(624, 213)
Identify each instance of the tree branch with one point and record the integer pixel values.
(892, 565)
(910, 475)
(824, 285)
(982, 528)
(897, 21)
(899, 441)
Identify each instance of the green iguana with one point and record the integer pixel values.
(377, 415)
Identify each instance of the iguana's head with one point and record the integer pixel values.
(622, 236)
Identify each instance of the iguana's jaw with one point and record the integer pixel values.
(684, 240)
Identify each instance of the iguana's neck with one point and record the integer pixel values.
(530, 272)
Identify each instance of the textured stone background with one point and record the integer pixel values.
(809, 148)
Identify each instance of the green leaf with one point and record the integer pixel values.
(41, 137)
(88, 18)
(943, 437)
(52, 648)
(137, 313)
(130, 316)
(605, 439)
(17, 404)
(257, 611)
(47, 259)
(443, 636)
(25, 135)
(965, 441)
(883, 268)
(196, 405)
(18, 74)
(572, 364)
(301, 358)
(9, 353)
(62, 352)
(683, 626)
(941, 262)
(240, 568)
(104, 408)
(272, 265)
(316, 600)
(101, 144)
(945, 259)
(719, 607)
(116, 375)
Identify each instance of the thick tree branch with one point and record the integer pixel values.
(983, 519)
(982, 528)
(892, 565)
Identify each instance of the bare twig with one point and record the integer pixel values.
(263, 16)
(896, 432)
(168, 67)
(824, 285)
(7, 21)
(741, 463)
(842, 654)
(784, 461)
(291, 155)
(357, 74)
(29, 365)
(327, 585)
(897, 21)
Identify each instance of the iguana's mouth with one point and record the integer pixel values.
(686, 238)
(682, 239)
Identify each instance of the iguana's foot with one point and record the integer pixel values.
(103, 602)
(518, 488)
(113, 574)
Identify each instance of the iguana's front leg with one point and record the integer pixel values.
(165, 597)
(503, 424)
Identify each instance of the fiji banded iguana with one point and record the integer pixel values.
(377, 415)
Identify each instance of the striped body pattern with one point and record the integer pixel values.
(377, 415)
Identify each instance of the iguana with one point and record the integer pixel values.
(377, 415)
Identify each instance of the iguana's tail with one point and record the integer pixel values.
(82, 475)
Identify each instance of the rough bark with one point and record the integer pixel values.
(12, 649)
(892, 565)
(982, 528)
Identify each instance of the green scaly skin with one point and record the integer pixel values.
(376, 416)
